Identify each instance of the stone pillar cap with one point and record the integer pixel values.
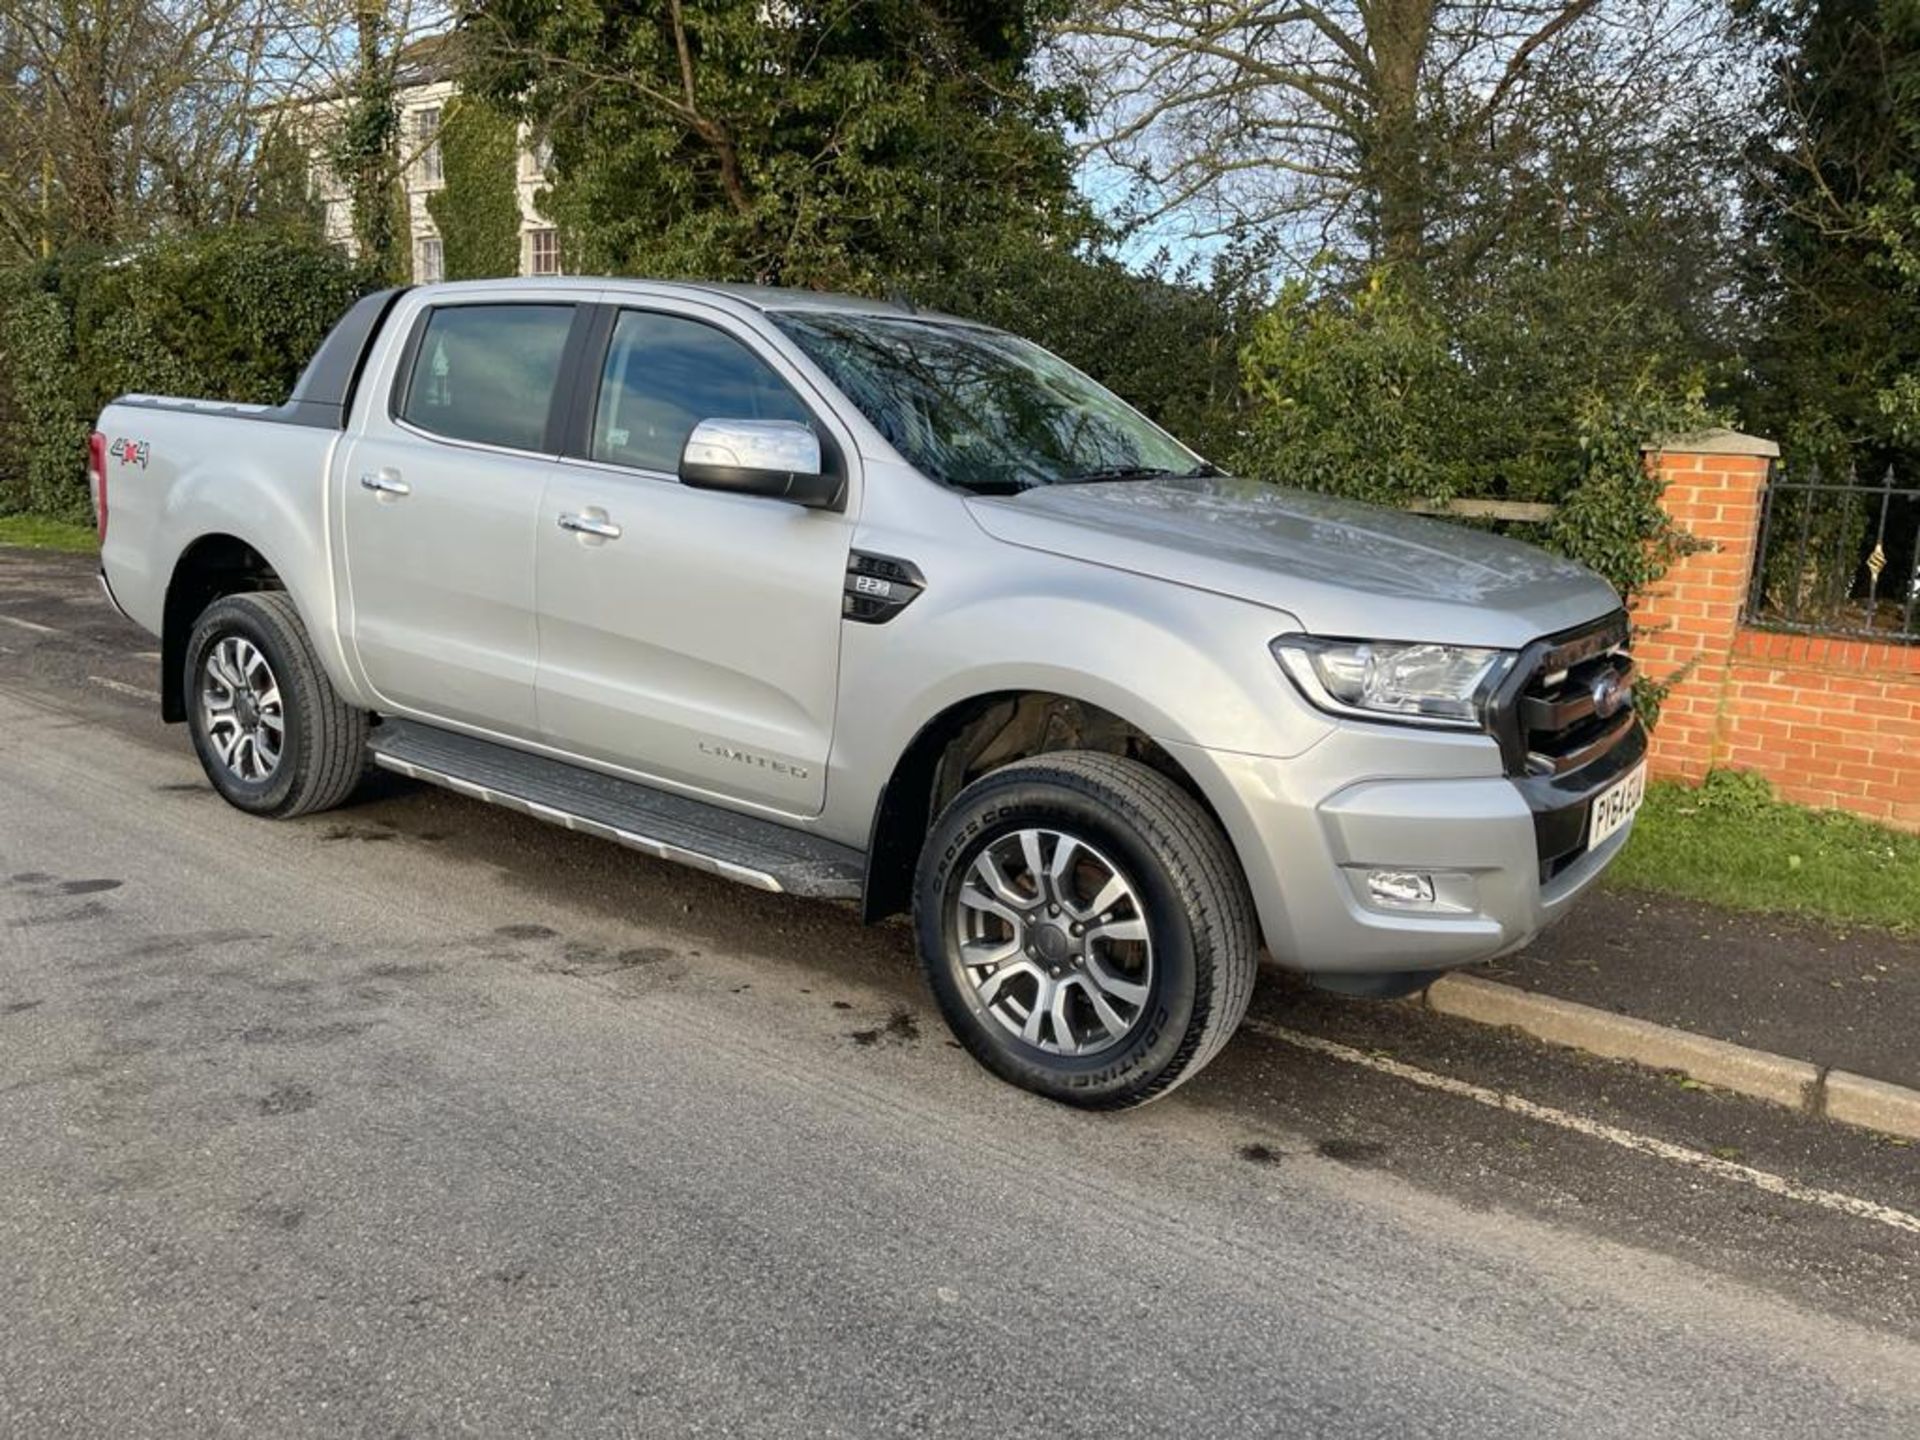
(1718, 441)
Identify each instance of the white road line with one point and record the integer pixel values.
(1598, 1130)
(136, 691)
(29, 625)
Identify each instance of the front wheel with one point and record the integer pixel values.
(273, 735)
(1085, 928)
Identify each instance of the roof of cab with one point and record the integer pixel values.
(764, 298)
(787, 297)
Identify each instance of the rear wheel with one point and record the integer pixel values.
(1085, 928)
(273, 735)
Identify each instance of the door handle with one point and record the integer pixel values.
(590, 525)
(385, 483)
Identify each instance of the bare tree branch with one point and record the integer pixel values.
(1307, 115)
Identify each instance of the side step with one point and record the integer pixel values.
(670, 827)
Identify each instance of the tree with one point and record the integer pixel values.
(825, 143)
(124, 119)
(283, 193)
(118, 116)
(336, 68)
(364, 146)
(1571, 306)
(1338, 125)
(477, 211)
(1832, 277)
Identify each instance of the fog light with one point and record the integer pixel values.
(1400, 887)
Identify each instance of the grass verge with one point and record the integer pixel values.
(1730, 842)
(36, 532)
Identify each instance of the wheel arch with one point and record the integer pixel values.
(972, 737)
(212, 566)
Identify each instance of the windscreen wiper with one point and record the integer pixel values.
(1203, 470)
(1118, 472)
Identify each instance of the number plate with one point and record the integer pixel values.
(1615, 806)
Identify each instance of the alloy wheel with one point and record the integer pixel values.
(1052, 936)
(241, 711)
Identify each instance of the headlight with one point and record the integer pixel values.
(1442, 685)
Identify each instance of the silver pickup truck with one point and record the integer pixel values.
(849, 600)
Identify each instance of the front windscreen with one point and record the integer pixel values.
(982, 410)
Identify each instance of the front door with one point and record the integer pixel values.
(689, 636)
(440, 501)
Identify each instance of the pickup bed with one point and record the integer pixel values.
(858, 602)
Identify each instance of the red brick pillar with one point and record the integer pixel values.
(1714, 485)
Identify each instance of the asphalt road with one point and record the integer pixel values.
(419, 1118)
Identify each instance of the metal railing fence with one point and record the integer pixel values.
(1838, 558)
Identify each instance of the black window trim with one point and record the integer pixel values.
(597, 346)
(565, 383)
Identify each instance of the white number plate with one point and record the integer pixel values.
(1614, 806)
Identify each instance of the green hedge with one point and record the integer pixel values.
(43, 459)
(1375, 393)
(229, 315)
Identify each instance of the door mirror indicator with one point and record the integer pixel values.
(779, 459)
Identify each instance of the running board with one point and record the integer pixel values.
(670, 827)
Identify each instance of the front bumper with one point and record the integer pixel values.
(1507, 855)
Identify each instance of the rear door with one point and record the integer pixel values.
(438, 508)
(700, 644)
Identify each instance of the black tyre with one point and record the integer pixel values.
(272, 734)
(1085, 928)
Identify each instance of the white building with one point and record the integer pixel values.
(423, 92)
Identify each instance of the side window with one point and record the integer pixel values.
(486, 373)
(665, 375)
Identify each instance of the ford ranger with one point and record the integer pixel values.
(850, 600)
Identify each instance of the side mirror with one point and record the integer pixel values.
(779, 459)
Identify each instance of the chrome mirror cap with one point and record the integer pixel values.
(779, 459)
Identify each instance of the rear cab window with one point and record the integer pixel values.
(485, 374)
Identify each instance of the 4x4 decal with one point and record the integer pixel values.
(130, 452)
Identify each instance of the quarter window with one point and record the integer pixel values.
(486, 373)
(664, 375)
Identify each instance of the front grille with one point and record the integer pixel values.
(1573, 700)
(1580, 698)
(1558, 745)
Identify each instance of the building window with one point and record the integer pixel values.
(430, 265)
(426, 136)
(543, 252)
(326, 182)
(536, 157)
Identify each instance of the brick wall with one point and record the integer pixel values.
(1830, 722)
